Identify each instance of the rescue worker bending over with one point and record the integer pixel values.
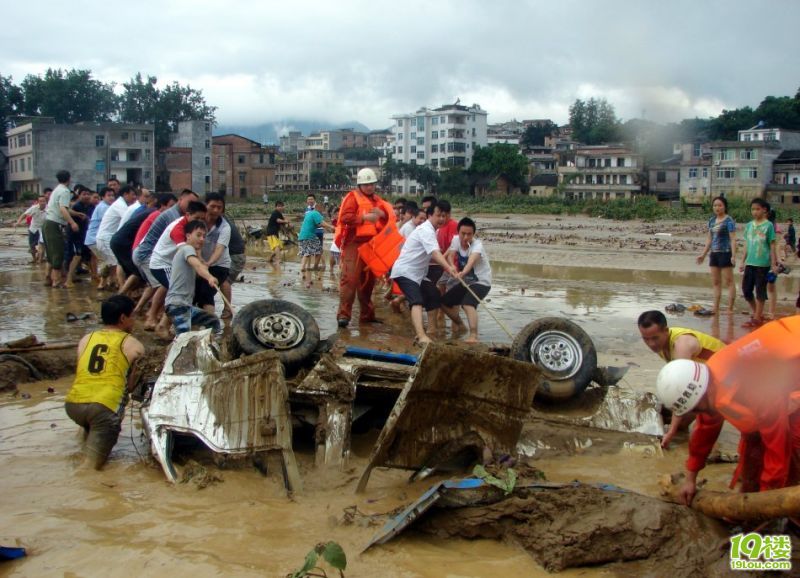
(753, 383)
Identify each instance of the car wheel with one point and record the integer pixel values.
(277, 325)
(562, 351)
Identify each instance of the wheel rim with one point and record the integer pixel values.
(279, 330)
(557, 353)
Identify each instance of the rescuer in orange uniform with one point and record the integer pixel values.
(362, 215)
(753, 383)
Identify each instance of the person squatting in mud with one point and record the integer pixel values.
(754, 384)
(411, 269)
(473, 282)
(96, 401)
(671, 343)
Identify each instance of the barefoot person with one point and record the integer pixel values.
(675, 343)
(467, 255)
(759, 259)
(410, 270)
(96, 401)
(36, 212)
(721, 242)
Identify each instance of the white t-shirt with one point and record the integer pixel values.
(415, 256)
(165, 249)
(407, 228)
(60, 197)
(37, 218)
(481, 272)
(218, 235)
(110, 223)
(128, 213)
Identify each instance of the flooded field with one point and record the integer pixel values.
(126, 520)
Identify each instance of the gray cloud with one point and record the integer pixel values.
(359, 60)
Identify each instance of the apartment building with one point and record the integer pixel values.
(290, 141)
(186, 162)
(744, 167)
(784, 190)
(600, 172)
(439, 138)
(664, 178)
(295, 175)
(242, 167)
(91, 152)
(695, 171)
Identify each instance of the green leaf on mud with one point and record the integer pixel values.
(506, 485)
(311, 562)
(335, 556)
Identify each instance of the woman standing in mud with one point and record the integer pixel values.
(721, 242)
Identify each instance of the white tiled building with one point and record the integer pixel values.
(439, 138)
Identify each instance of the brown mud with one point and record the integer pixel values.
(127, 520)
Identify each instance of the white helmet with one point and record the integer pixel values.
(366, 177)
(681, 384)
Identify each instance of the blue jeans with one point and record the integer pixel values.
(184, 316)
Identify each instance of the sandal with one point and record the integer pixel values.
(752, 324)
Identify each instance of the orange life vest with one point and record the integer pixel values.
(380, 252)
(757, 371)
(366, 229)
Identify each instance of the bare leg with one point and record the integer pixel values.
(155, 308)
(727, 281)
(453, 314)
(716, 282)
(758, 312)
(146, 294)
(472, 320)
(227, 292)
(73, 267)
(433, 320)
(772, 294)
(120, 277)
(131, 283)
(416, 321)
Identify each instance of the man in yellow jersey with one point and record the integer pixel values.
(96, 400)
(672, 343)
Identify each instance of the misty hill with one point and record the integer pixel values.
(270, 132)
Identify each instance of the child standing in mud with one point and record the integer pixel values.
(758, 258)
(96, 401)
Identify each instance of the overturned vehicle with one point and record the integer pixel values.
(438, 411)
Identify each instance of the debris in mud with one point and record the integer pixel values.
(199, 475)
(566, 527)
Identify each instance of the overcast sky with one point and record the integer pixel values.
(366, 60)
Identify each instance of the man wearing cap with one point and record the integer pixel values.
(753, 383)
(362, 215)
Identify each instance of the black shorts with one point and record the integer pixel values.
(203, 292)
(721, 259)
(425, 293)
(755, 278)
(33, 239)
(458, 295)
(162, 276)
(435, 273)
(124, 257)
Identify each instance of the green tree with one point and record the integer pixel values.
(336, 176)
(139, 103)
(316, 179)
(178, 103)
(362, 154)
(594, 121)
(453, 181)
(391, 169)
(534, 134)
(727, 124)
(11, 103)
(69, 96)
(500, 160)
(428, 178)
(779, 111)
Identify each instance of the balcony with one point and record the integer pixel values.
(599, 170)
(603, 188)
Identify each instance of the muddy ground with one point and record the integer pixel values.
(126, 520)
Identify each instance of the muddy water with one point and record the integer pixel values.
(126, 520)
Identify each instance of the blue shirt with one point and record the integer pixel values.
(310, 223)
(94, 223)
(721, 234)
(319, 231)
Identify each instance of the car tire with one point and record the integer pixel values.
(274, 324)
(563, 352)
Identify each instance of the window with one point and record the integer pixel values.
(434, 162)
(442, 119)
(413, 149)
(400, 150)
(240, 160)
(692, 190)
(413, 135)
(693, 173)
(421, 123)
(124, 136)
(724, 155)
(435, 135)
(748, 154)
(747, 137)
(208, 179)
(434, 148)
(421, 155)
(399, 136)
(592, 163)
(243, 191)
(749, 173)
(413, 190)
(696, 150)
(100, 140)
(208, 127)
(726, 173)
(770, 136)
(661, 176)
(606, 162)
(28, 139)
(145, 137)
(435, 120)
(100, 166)
(242, 177)
(208, 144)
(620, 161)
(705, 172)
(420, 141)
(147, 174)
(400, 122)
(208, 161)
(147, 154)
